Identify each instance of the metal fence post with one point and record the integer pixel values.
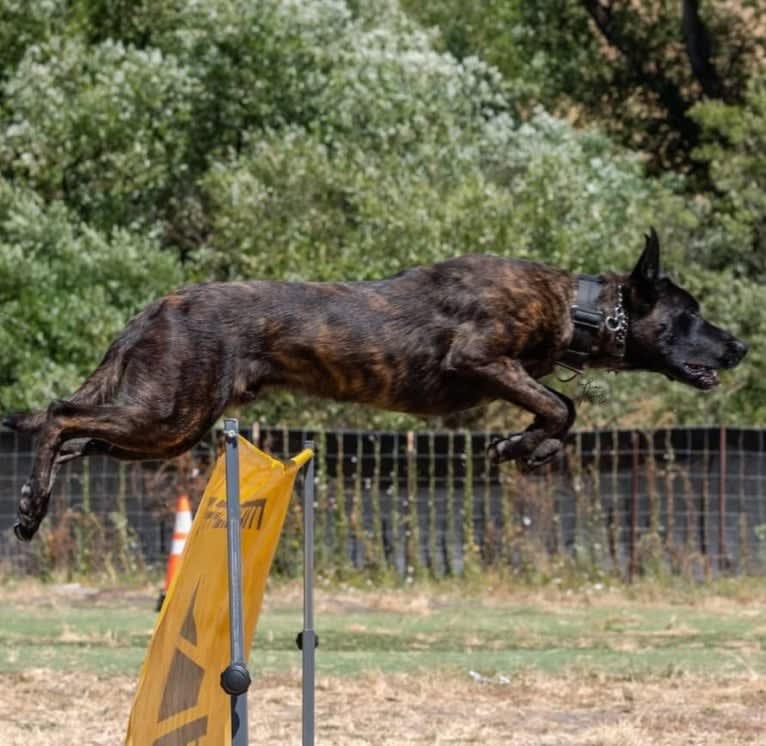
(723, 558)
(308, 639)
(235, 680)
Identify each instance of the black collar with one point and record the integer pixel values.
(591, 321)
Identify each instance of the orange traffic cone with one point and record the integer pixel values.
(180, 532)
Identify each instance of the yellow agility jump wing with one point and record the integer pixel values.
(179, 700)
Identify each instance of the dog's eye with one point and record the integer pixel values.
(684, 323)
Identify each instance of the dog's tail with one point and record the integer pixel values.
(25, 422)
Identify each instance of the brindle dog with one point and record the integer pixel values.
(430, 341)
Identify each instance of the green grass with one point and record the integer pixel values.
(625, 638)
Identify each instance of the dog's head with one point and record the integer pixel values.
(667, 332)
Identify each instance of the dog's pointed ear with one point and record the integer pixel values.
(645, 276)
(647, 269)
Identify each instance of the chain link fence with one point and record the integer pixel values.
(682, 500)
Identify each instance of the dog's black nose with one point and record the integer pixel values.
(736, 351)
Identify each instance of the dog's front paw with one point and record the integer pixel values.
(542, 454)
(506, 449)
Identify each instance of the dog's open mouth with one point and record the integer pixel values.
(701, 376)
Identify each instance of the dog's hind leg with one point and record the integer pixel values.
(96, 389)
(130, 431)
(93, 447)
(25, 422)
(63, 456)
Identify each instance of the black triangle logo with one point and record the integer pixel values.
(182, 687)
(189, 627)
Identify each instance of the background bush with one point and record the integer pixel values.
(143, 145)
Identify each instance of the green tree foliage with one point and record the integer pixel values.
(23, 24)
(539, 191)
(145, 144)
(634, 68)
(735, 147)
(65, 288)
(100, 127)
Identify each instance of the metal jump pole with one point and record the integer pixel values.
(235, 679)
(308, 640)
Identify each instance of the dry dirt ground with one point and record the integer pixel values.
(53, 709)
(40, 707)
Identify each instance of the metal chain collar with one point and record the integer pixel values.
(589, 324)
(617, 323)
